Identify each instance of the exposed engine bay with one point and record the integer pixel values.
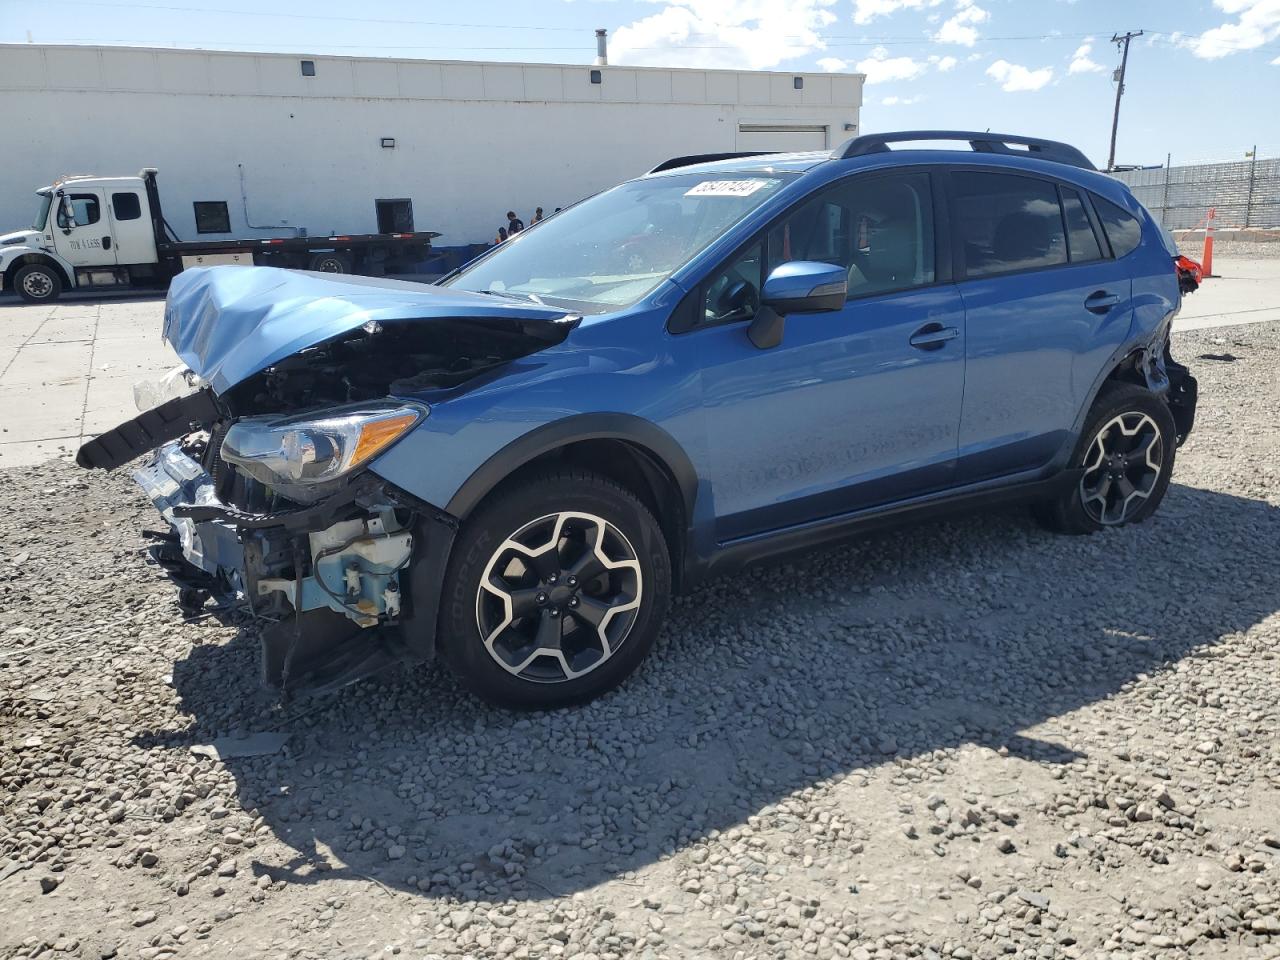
(378, 360)
(268, 505)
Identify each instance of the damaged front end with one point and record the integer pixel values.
(329, 579)
(260, 468)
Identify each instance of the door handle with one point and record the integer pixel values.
(106, 243)
(932, 336)
(1100, 301)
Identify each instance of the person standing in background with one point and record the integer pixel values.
(514, 223)
(537, 216)
(502, 235)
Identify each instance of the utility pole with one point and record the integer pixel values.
(1120, 41)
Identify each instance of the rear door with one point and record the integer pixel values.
(135, 242)
(1045, 308)
(86, 240)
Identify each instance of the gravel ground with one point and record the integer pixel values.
(966, 739)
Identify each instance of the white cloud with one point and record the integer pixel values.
(900, 101)
(864, 11)
(1257, 22)
(1014, 77)
(959, 28)
(833, 64)
(724, 34)
(1080, 62)
(881, 68)
(1276, 62)
(943, 64)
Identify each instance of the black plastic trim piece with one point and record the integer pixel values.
(145, 432)
(676, 162)
(736, 554)
(979, 142)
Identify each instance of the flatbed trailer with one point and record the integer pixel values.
(110, 233)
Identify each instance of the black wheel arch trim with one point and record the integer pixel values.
(644, 434)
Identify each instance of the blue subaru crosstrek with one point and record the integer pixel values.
(729, 358)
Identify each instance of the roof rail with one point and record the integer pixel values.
(688, 161)
(979, 142)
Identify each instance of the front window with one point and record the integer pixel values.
(42, 215)
(611, 250)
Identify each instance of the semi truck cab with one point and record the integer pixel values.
(86, 229)
(110, 232)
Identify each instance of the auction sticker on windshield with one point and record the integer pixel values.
(728, 188)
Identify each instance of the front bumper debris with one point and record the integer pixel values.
(330, 579)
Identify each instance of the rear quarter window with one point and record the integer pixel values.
(1123, 230)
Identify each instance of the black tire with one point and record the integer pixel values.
(38, 283)
(507, 514)
(1074, 514)
(330, 263)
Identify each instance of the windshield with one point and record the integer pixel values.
(42, 217)
(610, 250)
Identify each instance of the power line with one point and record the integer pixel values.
(829, 40)
(585, 45)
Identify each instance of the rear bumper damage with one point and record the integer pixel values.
(330, 582)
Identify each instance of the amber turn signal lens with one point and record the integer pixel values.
(377, 435)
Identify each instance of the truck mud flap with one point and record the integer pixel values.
(149, 430)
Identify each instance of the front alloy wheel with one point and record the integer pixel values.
(556, 588)
(37, 283)
(559, 597)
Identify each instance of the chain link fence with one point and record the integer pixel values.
(1244, 193)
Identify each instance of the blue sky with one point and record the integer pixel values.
(1204, 82)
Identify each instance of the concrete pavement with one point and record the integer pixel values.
(67, 370)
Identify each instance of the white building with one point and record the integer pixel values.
(327, 144)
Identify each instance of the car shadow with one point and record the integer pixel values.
(969, 631)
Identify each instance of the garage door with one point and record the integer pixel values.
(782, 137)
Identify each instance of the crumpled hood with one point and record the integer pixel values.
(228, 323)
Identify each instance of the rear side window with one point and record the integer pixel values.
(1081, 239)
(126, 206)
(1122, 228)
(1007, 223)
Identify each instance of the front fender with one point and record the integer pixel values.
(560, 433)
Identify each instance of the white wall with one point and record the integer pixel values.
(472, 140)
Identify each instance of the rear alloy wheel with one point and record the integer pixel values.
(1125, 460)
(1122, 468)
(555, 592)
(37, 283)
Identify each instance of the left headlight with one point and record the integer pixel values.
(298, 456)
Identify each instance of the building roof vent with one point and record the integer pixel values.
(602, 48)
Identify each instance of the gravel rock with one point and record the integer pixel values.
(824, 758)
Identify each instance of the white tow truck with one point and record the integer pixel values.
(110, 233)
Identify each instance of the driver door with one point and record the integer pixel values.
(855, 408)
(86, 240)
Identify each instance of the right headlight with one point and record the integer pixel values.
(299, 456)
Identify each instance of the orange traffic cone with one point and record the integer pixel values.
(1206, 261)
